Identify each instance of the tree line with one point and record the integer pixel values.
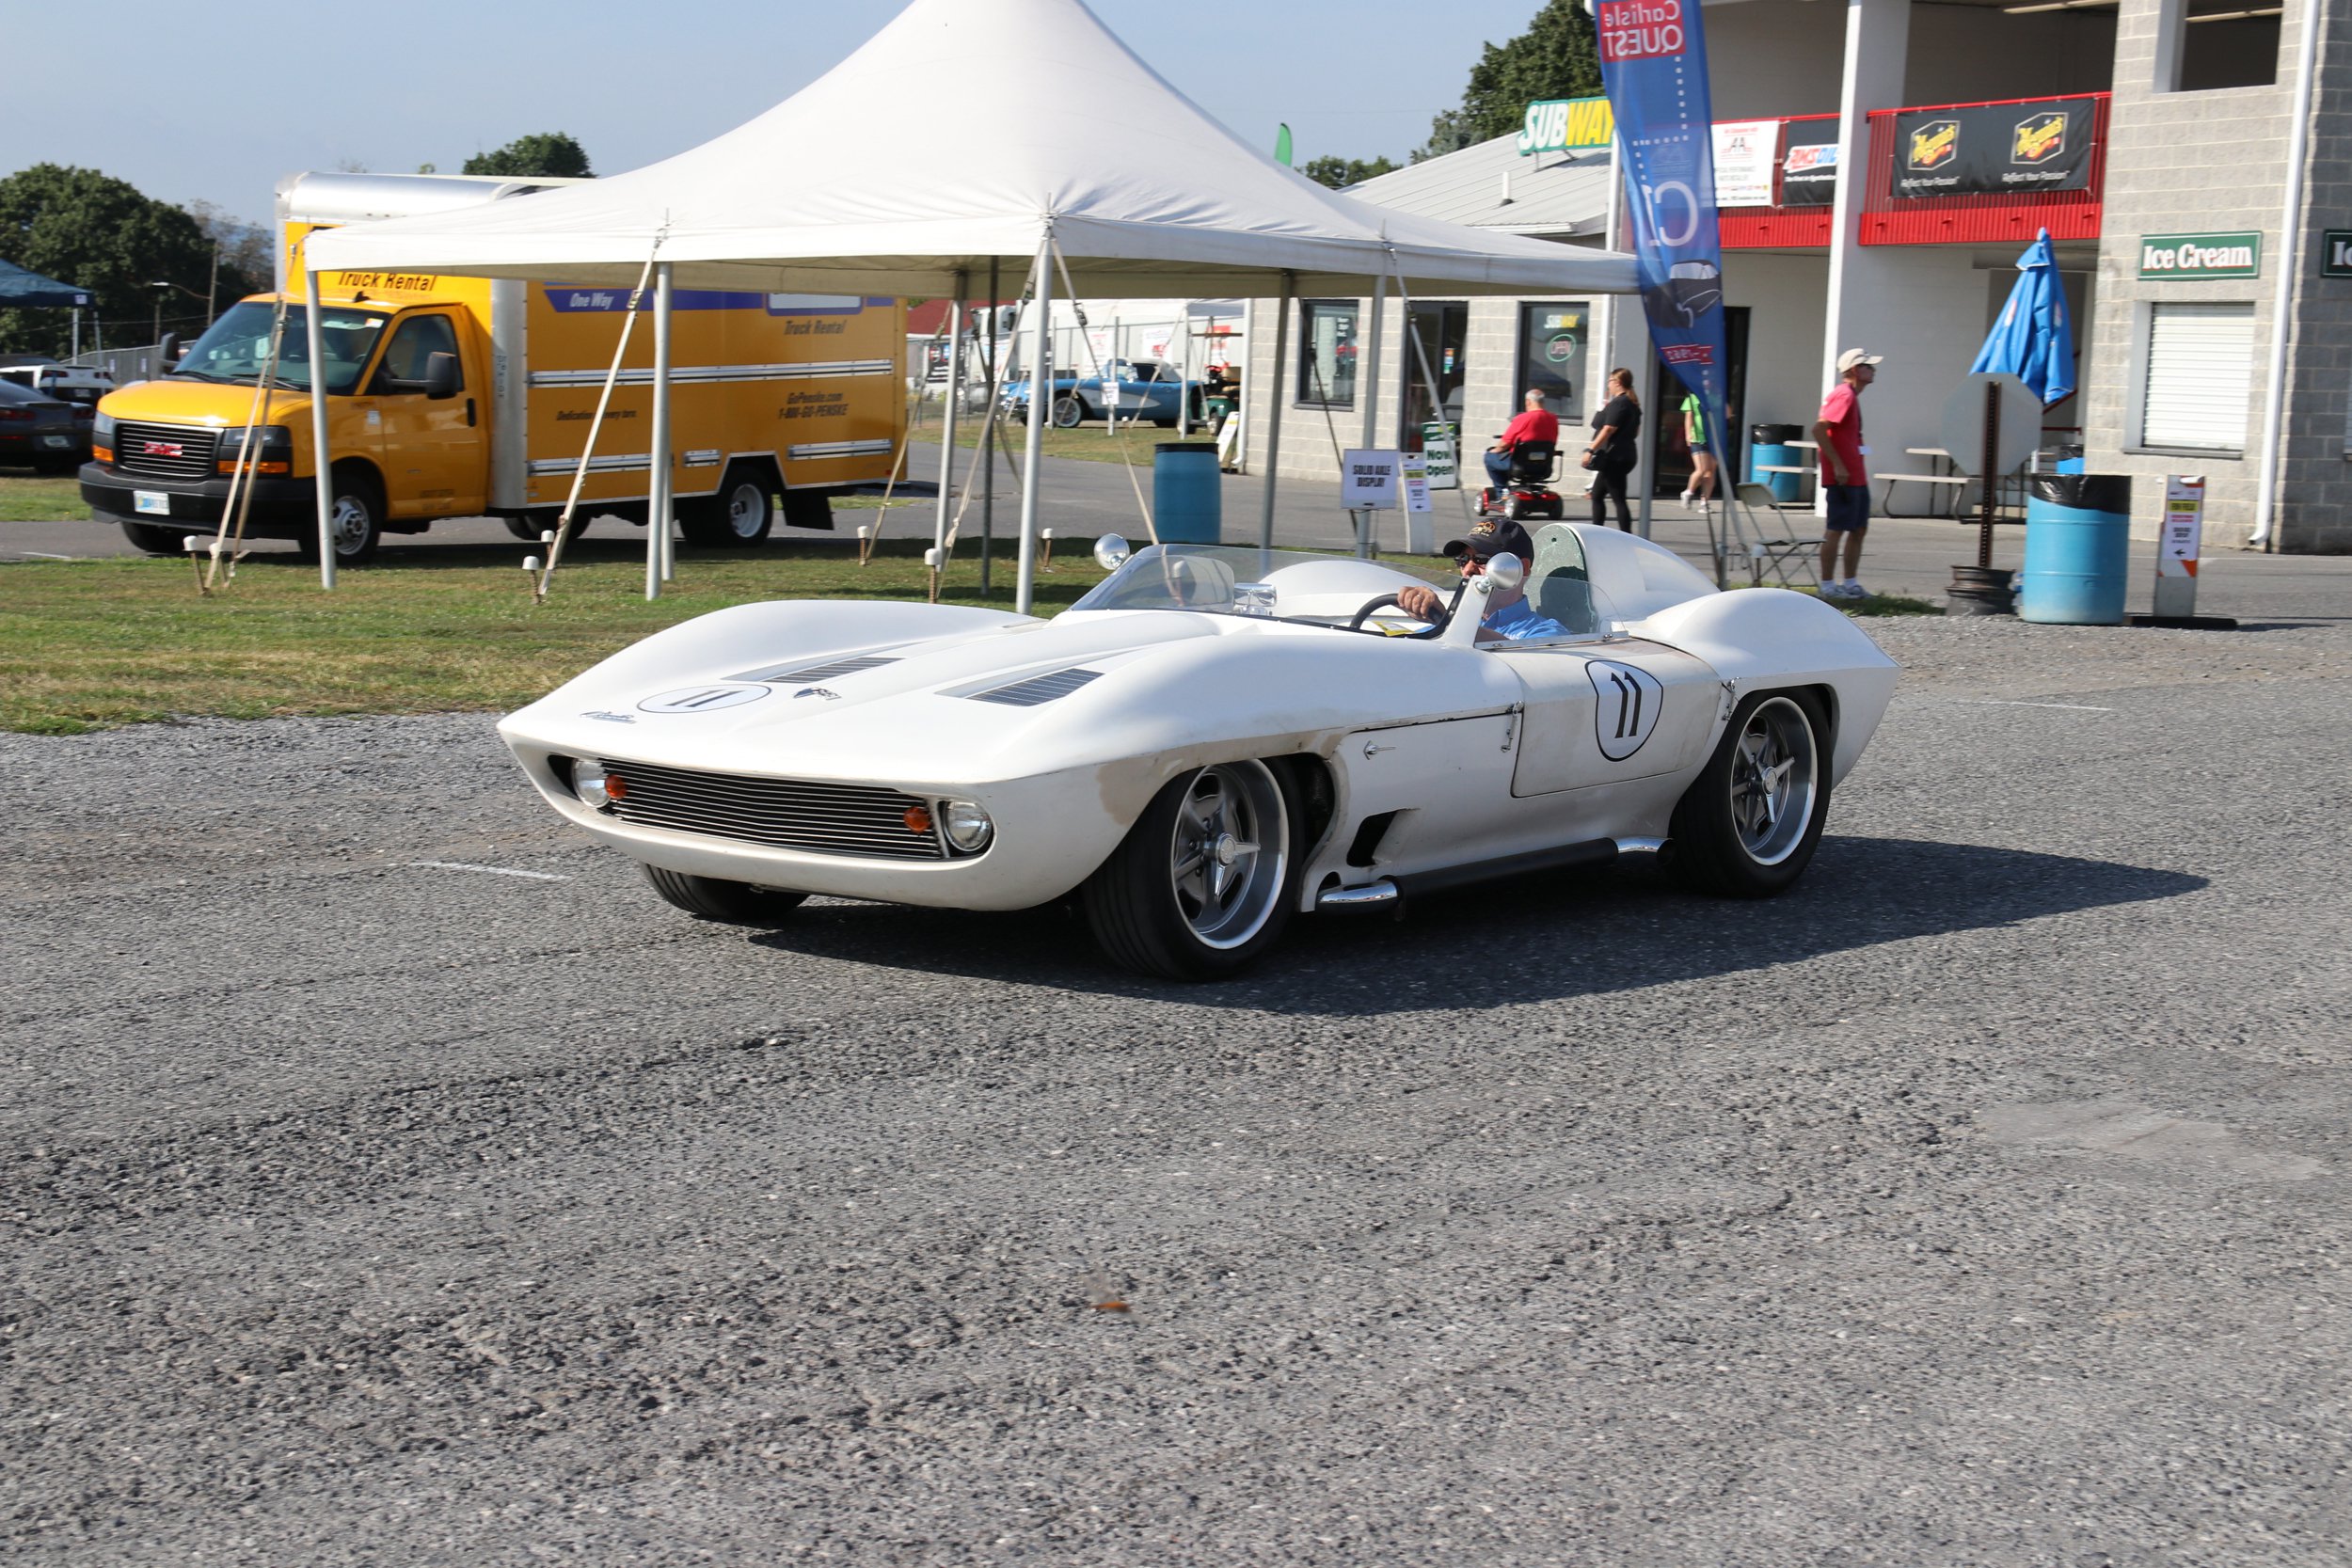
(1558, 56)
(143, 260)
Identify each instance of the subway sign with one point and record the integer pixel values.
(2197, 256)
(1567, 125)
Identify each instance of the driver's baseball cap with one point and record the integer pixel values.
(1854, 357)
(1503, 538)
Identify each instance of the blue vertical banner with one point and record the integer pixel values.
(1653, 61)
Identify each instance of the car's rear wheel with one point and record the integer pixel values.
(154, 540)
(1748, 825)
(729, 903)
(1202, 885)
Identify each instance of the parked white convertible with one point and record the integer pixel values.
(1214, 739)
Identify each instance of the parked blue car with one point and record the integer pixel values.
(1148, 390)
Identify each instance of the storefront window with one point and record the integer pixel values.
(1326, 354)
(2200, 375)
(1553, 343)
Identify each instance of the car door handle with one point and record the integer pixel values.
(1372, 751)
(469, 413)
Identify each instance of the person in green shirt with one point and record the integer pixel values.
(1701, 440)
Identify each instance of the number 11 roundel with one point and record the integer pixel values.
(1625, 707)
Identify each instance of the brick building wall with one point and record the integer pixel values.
(2314, 479)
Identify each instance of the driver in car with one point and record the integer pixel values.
(1509, 617)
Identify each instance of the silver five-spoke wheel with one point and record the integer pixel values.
(1229, 852)
(1774, 772)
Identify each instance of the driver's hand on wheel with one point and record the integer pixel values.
(1420, 603)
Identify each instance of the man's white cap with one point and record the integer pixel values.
(1854, 357)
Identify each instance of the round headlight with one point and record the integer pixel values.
(966, 825)
(594, 785)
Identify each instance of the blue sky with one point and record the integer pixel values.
(245, 94)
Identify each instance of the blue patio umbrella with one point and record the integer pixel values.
(2034, 339)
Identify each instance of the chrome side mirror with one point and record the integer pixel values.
(1110, 553)
(1507, 571)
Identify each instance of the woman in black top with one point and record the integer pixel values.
(1615, 448)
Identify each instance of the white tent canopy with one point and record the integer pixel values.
(930, 154)
(932, 151)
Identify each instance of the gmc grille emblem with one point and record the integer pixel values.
(162, 448)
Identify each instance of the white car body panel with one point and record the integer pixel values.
(1481, 753)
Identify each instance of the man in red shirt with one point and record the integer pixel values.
(1536, 424)
(1845, 481)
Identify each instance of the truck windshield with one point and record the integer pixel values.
(237, 347)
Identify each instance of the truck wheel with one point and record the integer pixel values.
(355, 518)
(154, 540)
(737, 517)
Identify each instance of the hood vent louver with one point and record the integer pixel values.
(1038, 688)
(833, 670)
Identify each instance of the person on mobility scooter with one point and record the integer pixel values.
(1519, 466)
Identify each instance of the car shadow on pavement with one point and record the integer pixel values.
(1621, 928)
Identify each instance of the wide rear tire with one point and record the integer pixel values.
(1203, 885)
(729, 903)
(1748, 825)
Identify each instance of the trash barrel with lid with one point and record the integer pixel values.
(2079, 530)
(1771, 444)
(1187, 506)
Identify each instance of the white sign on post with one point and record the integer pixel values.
(2178, 544)
(1368, 480)
(1416, 476)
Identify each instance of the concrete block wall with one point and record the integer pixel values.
(2184, 163)
(2315, 503)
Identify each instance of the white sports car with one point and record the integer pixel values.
(1216, 740)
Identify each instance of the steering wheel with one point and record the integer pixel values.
(1387, 600)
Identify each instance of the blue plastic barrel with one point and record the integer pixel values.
(1771, 444)
(1187, 505)
(2079, 531)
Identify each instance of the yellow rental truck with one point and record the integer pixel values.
(459, 397)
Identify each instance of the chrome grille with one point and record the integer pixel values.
(1038, 688)
(834, 671)
(790, 813)
(187, 455)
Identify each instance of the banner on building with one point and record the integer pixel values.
(1653, 61)
(1997, 150)
(1745, 152)
(1808, 170)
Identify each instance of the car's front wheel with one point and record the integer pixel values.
(1749, 823)
(1202, 885)
(729, 903)
(1069, 411)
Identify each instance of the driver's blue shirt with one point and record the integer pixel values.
(1518, 620)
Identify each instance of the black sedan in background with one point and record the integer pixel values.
(40, 431)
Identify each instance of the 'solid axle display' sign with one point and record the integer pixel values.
(2196, 256)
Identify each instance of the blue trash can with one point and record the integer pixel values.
(2079, 531)
(1187, 505)
(1772, 443)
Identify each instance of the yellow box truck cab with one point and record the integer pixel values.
(456, 397)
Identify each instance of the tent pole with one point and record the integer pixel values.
(1033, 445)
(988, 428)
(321, 473)
(1368, 388)
(955, 399)
(657, 501)
(1274, 421)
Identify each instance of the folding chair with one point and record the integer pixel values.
(1768, 548)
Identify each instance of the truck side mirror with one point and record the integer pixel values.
(167, 352)
(440, 375)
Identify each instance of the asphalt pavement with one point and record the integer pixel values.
(389, 1178)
